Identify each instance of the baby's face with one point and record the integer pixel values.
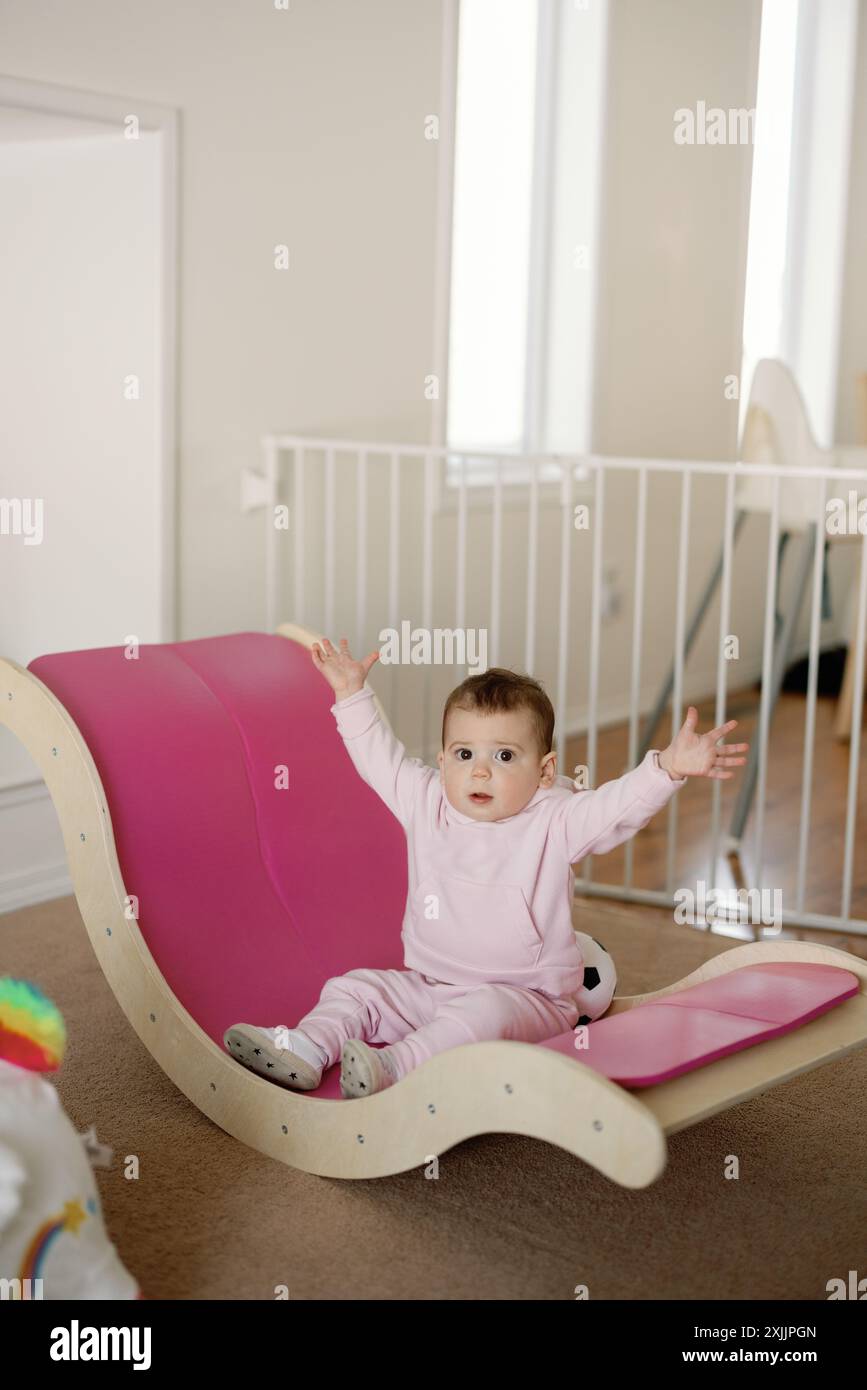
(491, 765)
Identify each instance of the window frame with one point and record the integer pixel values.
(479, 481)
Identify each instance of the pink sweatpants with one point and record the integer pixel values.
(418, 1016)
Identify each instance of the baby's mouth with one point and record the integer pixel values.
(480, 798)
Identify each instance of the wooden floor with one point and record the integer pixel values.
(826, 842)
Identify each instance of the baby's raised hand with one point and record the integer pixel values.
(696, 755)
(343, 673)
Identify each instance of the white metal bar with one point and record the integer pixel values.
(598, 515)
(588, 461)
(637, 621)
(563, 644)
(765, 705)
(856, 926)
(329, 544)
(722, 665)
(299, 601)
(532, 567)
(855, 733)
(679, 636)
(393, 538)
(427, 593)
(394, 565)
(496, 563)
(812, 679)
(427, 548)
(272, 580)
(361, 554)
(461, 585)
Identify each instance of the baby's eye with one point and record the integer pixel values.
(460, 754)
(507, 754)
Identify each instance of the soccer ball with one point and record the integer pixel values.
(600, 980)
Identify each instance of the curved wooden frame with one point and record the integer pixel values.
(506, 1087)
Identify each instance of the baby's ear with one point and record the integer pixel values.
(548, 774)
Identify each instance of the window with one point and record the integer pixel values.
(527, 160)
(769, 195)
(494, 129)
(798, 203)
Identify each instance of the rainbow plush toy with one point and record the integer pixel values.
(53, 1241)
(32, 1031)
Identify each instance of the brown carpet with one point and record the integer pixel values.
(508, 1217)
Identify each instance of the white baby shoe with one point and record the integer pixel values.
(280, 1054)
(364, 1070)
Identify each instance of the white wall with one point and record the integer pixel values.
(674, 245)
(79, 264)
(79, 273)
(303, 127)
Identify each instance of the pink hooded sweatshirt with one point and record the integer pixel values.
(490, 901)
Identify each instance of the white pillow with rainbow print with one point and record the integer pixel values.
(53, 1242)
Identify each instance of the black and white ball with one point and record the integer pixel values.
(600, 980)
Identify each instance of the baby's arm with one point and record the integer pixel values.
(597, 821)
(379, 756)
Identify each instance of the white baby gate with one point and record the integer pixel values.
(321, 576)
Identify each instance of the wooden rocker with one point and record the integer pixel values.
(227, 859)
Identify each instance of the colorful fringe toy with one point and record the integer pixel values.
(32, 1031)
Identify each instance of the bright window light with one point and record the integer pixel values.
(494, 139)
(770, 193)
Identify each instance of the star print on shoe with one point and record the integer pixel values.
(256, 1049)
(364, 1070)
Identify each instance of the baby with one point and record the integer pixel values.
(489, 946)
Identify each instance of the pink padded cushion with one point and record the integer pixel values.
(663, 1038)
(250, 897)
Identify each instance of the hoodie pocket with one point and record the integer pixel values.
(485, 925)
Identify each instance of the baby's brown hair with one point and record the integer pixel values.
(501, 689)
